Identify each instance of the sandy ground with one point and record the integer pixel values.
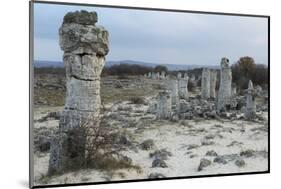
(225, 138)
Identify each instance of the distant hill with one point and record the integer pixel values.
(46, 64)
(42, 64)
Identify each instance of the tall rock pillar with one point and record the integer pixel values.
(85, 46)
(225, 85)
(213, 82)
(205, 83)
(250, 102)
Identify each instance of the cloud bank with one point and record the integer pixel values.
(160, 37)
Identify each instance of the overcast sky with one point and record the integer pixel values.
(160, 37)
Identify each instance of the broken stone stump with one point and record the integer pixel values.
(164, 106)
(173, 87)
(162, 75)
(183, 88)
(85, 46)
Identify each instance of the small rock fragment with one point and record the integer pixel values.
(240, 163)
(147, 144)
(211, 153)
(159, 163)
(204, 163)
(156, 176)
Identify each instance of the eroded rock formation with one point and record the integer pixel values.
(85, 46)
(183, 90)
(250, 102)
(162, 76)
(225, 85)
(173, 87)
(213, 82)
(164, 106)
(205, 83)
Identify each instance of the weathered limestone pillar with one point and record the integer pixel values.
(225, 84)
(205, 83)
(179, 75)
(213, 82)
(85, 46)
(183, 90)
(149, 74)
(259, 89)
(192, 80)
(251, 102)
(173, 87)
(167, 77)
(153, 75)
(157, 75)
(164, 106)
(162, 75)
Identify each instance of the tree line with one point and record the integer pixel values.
(243, 70)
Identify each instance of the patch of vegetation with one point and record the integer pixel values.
(246, 69)
(111, 163)
(126, 69)
(137, 100)
(147, 144)
(110, 94)
(122, 76)
(44, 179)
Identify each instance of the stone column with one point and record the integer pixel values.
(153, 75)
(85, 46)
(225, 84)
(173, 87)
(205, 83)
(183, 90)
(157, 75)
(162, 75)
(164, 106)
(179, 75)
(149, 74)
(213, 82)
(251, 102)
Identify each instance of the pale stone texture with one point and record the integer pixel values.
(225, 85)
(192, 80)
(162, 76)
(213, 82)
(153, 75)
(85, 46)
(157, 75)
(164, 106)
(183, 90)
(259, 89)
(251, 102)
(205, 83)
(149, 75)
(179, 75)
(173, 87)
